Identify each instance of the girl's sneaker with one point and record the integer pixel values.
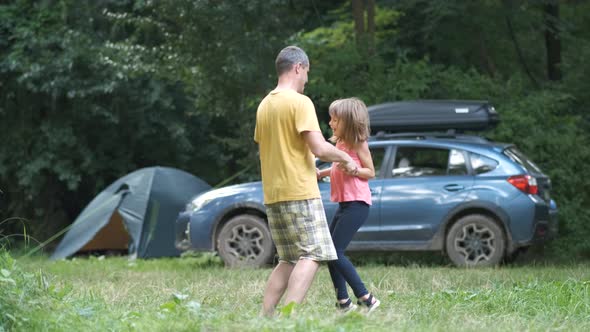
(346, 306)
(370, 304)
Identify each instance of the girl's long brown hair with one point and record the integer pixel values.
(353, 119)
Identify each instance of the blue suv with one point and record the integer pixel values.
(479, 201)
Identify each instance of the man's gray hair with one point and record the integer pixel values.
(289, 56)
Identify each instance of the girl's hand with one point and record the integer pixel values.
(349, 171)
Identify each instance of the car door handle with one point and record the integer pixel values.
(453, 187)
(374, 191)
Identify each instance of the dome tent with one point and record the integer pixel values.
(136, 212)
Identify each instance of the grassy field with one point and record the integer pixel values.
(198, 294)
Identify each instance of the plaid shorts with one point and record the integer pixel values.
(299, 230)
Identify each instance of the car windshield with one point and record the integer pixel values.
(515, 155)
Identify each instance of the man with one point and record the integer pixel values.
(288, 134)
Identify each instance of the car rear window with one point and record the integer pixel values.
(518, 157)
(481, 164)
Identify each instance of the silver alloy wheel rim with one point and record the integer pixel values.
(475, 243)
(245, 243)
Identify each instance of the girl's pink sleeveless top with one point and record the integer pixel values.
(346, 188)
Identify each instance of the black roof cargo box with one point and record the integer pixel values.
(432, 115)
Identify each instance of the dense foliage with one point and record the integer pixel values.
(92, 90)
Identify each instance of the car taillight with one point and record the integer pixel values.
(525, 183)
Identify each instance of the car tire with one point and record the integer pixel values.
(475, 241)
(245, 241)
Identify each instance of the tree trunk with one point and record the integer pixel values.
(486, 61)
(552, 42)
(358, 13)
(519, 51)
(370, 5)
(364, 36)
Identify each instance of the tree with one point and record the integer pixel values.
(94, 89)
(364, 33)
(552, 40)
(74, 119)
(223, 53)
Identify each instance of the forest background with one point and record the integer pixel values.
(92, 90)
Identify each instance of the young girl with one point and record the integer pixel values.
(349, 121)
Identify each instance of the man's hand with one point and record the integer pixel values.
(349, 167)
(327, 152)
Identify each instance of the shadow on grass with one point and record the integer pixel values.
(535, 255)
(399, 258)
(547, 255)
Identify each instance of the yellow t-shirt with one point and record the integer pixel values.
(288, 167)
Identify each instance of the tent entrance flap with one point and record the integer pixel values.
(113, 236)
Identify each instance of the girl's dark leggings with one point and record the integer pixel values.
(349, 217)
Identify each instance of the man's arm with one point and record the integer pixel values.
(326, 151)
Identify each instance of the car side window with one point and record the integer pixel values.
(378, 155)
(426, 161)
(457, 164)
(481, 164)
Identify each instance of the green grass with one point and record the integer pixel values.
(198, 294)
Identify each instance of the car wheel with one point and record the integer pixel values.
(244, 241)
(475, 241)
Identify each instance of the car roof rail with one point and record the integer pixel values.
(449, 134)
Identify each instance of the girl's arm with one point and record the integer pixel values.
(367, 170)
(323, 173)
